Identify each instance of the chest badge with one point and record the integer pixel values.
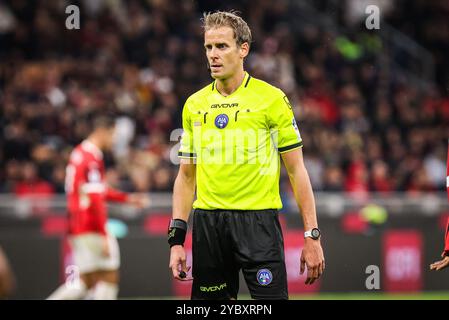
(221, 121)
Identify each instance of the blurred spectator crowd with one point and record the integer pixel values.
(142, 59)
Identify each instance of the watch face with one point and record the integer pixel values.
(315, 233)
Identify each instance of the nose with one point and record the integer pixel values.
(213, 53)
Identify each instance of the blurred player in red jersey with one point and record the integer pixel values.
(439, 265)
(95, 251)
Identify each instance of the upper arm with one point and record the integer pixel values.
(293, 160)
(187, 150)
(187, 169)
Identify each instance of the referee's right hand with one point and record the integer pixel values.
(178, 262)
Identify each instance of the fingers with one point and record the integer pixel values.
(439, 265)
(187, 278)
(442, 265)
(322, 268)
(310, 275)
(178, 275)
(174, 266)
(182, 275)
(434, 265)
(178, 264)
(309, 279)
(302, 265)
(312, 257)
(184, 264)
(185, 269)
(314, 272)
(313, 275)
(174, 270)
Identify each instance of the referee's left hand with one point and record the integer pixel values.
(312, 256)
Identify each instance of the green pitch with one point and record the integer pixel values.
(441, 295)
(374, 296)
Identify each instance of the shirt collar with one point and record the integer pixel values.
(244, 83)
(92, 148)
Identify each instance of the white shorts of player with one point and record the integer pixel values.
(87, 250)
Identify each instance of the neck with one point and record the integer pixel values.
(228, 86)
(95, 141)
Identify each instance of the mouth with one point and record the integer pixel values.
(215, 66)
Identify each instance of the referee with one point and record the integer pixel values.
(235, 131)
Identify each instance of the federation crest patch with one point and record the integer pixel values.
(264, 277)
(221, 121)
(295, 126)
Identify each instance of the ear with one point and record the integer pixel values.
(244, 50)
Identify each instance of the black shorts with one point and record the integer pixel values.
(225, 242)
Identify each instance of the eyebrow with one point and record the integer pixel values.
(216, 44)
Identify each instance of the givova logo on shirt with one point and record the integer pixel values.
(224, 105)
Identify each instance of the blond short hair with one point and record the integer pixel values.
(217, 19)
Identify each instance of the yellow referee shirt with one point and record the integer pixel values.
(236, 141)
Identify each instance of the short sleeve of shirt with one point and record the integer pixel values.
(282, 124)
(186, 149)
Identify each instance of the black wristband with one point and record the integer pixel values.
(177, 231)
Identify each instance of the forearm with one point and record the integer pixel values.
(115, 195)
(303, 193)
(183, 196)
